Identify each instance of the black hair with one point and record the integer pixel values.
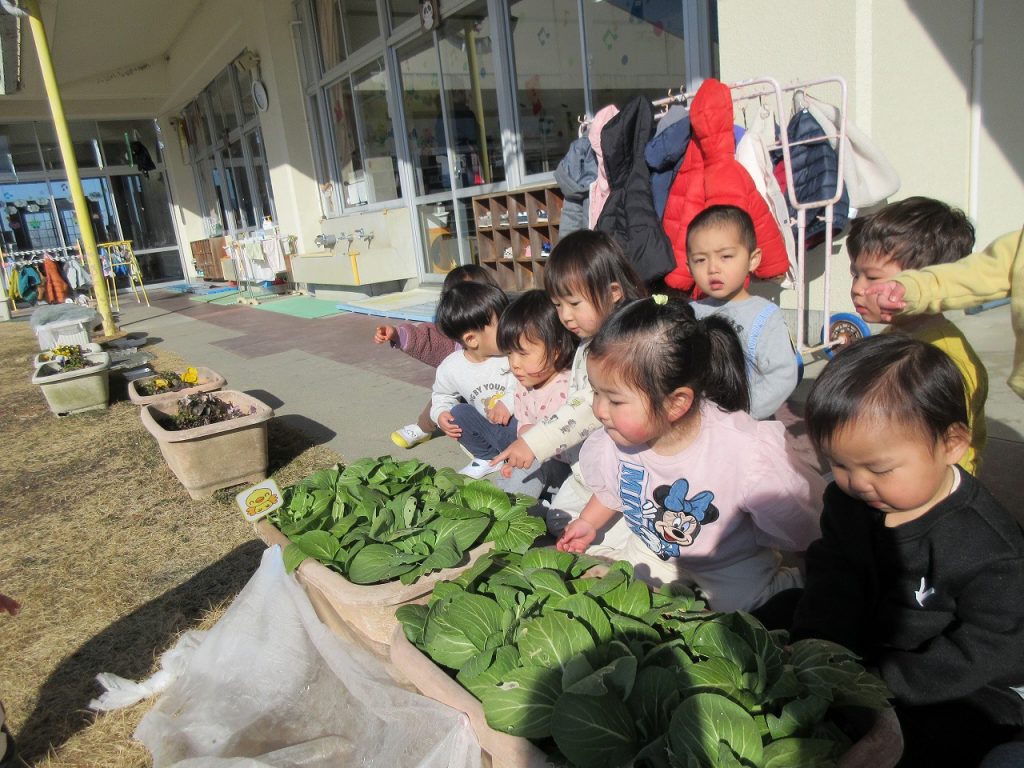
(587, 262)
(915, 233)
(715, 216)
(469, 273)
(892, 376)
(467, 307)
(655, 348)
(533, 316)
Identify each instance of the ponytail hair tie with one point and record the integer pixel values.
(660, 299)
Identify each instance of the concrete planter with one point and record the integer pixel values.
(363, 612)
(85, 389)
(220, 455)
(209, 381)
(880, 747)
(44, 357)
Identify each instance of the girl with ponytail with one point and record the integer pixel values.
(710, 494)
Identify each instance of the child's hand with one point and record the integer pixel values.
(518, 456)
(576, 537)
(888, 297)
(499, 414)
(9, 604)
(385, 334)
(447, 424)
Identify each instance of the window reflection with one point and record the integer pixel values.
(549, 80)
(468, 71)
(633, 48)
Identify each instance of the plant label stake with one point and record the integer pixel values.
(258, 501)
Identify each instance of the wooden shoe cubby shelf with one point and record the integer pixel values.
(515, 232)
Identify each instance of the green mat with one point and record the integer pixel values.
(299, 306)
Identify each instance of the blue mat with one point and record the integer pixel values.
(423, 313)
(197, 289)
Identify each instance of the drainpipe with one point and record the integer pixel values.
(60, 125)
(974, 158)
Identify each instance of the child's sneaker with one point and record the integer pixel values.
(409, 436)
(479, 468)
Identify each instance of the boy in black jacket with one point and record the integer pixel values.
(919, 569)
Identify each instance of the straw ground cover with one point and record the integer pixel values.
(109, 557)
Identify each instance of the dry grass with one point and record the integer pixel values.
(109, 557)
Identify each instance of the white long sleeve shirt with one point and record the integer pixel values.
(481, 385)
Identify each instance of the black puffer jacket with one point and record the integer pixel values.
(628, 214)
(815, 175)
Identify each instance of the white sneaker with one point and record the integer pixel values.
(479, 468)
(409, 436)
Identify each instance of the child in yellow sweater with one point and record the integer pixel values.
(916, 233)
(994, 273)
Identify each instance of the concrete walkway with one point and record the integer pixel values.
(326, 377)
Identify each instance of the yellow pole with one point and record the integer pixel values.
(60, 125)
(478, 102)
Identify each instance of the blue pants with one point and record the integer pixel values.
(480, 437)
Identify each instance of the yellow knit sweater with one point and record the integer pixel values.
(994, 273)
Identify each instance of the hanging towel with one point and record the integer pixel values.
(600, 189)
(869, 177)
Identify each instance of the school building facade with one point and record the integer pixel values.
(366, 127)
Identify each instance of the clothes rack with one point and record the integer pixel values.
(258, 258)
(117, 256)
(786, 100)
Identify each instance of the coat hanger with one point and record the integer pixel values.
(583, 125)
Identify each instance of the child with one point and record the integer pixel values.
(428, 345)
(540, 351)
(994, 273)
(911, 234)
(478, 374)
(918, 569)
(585, 278)
(710, 493)
(721, 251)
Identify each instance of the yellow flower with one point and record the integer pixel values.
(190, 376)
(660, 299)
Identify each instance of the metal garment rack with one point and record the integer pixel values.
(21, 258)
(235, 249)
(119, 253)
(838, 331)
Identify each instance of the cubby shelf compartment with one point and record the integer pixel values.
(513, 229)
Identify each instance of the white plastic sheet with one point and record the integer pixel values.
(270, 685)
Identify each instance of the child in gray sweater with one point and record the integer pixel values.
(721, 249)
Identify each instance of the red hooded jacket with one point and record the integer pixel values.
(710, 175)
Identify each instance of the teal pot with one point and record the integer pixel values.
(85, 389)
(205, 459)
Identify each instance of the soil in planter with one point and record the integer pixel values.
(200, 410)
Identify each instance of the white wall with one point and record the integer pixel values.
(908, 66)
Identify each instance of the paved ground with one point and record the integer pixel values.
(326, 377)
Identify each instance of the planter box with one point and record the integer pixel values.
(209, 381)
(433, 682)
(44, 357)
(85, 389)
(61, 332)
(880, 747)
(205, 459)
(368, 610)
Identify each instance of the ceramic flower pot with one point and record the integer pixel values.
(209, 381)
(214, 456)
(83, 389)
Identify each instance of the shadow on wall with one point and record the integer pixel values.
(1002, 61)
(127, 648)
